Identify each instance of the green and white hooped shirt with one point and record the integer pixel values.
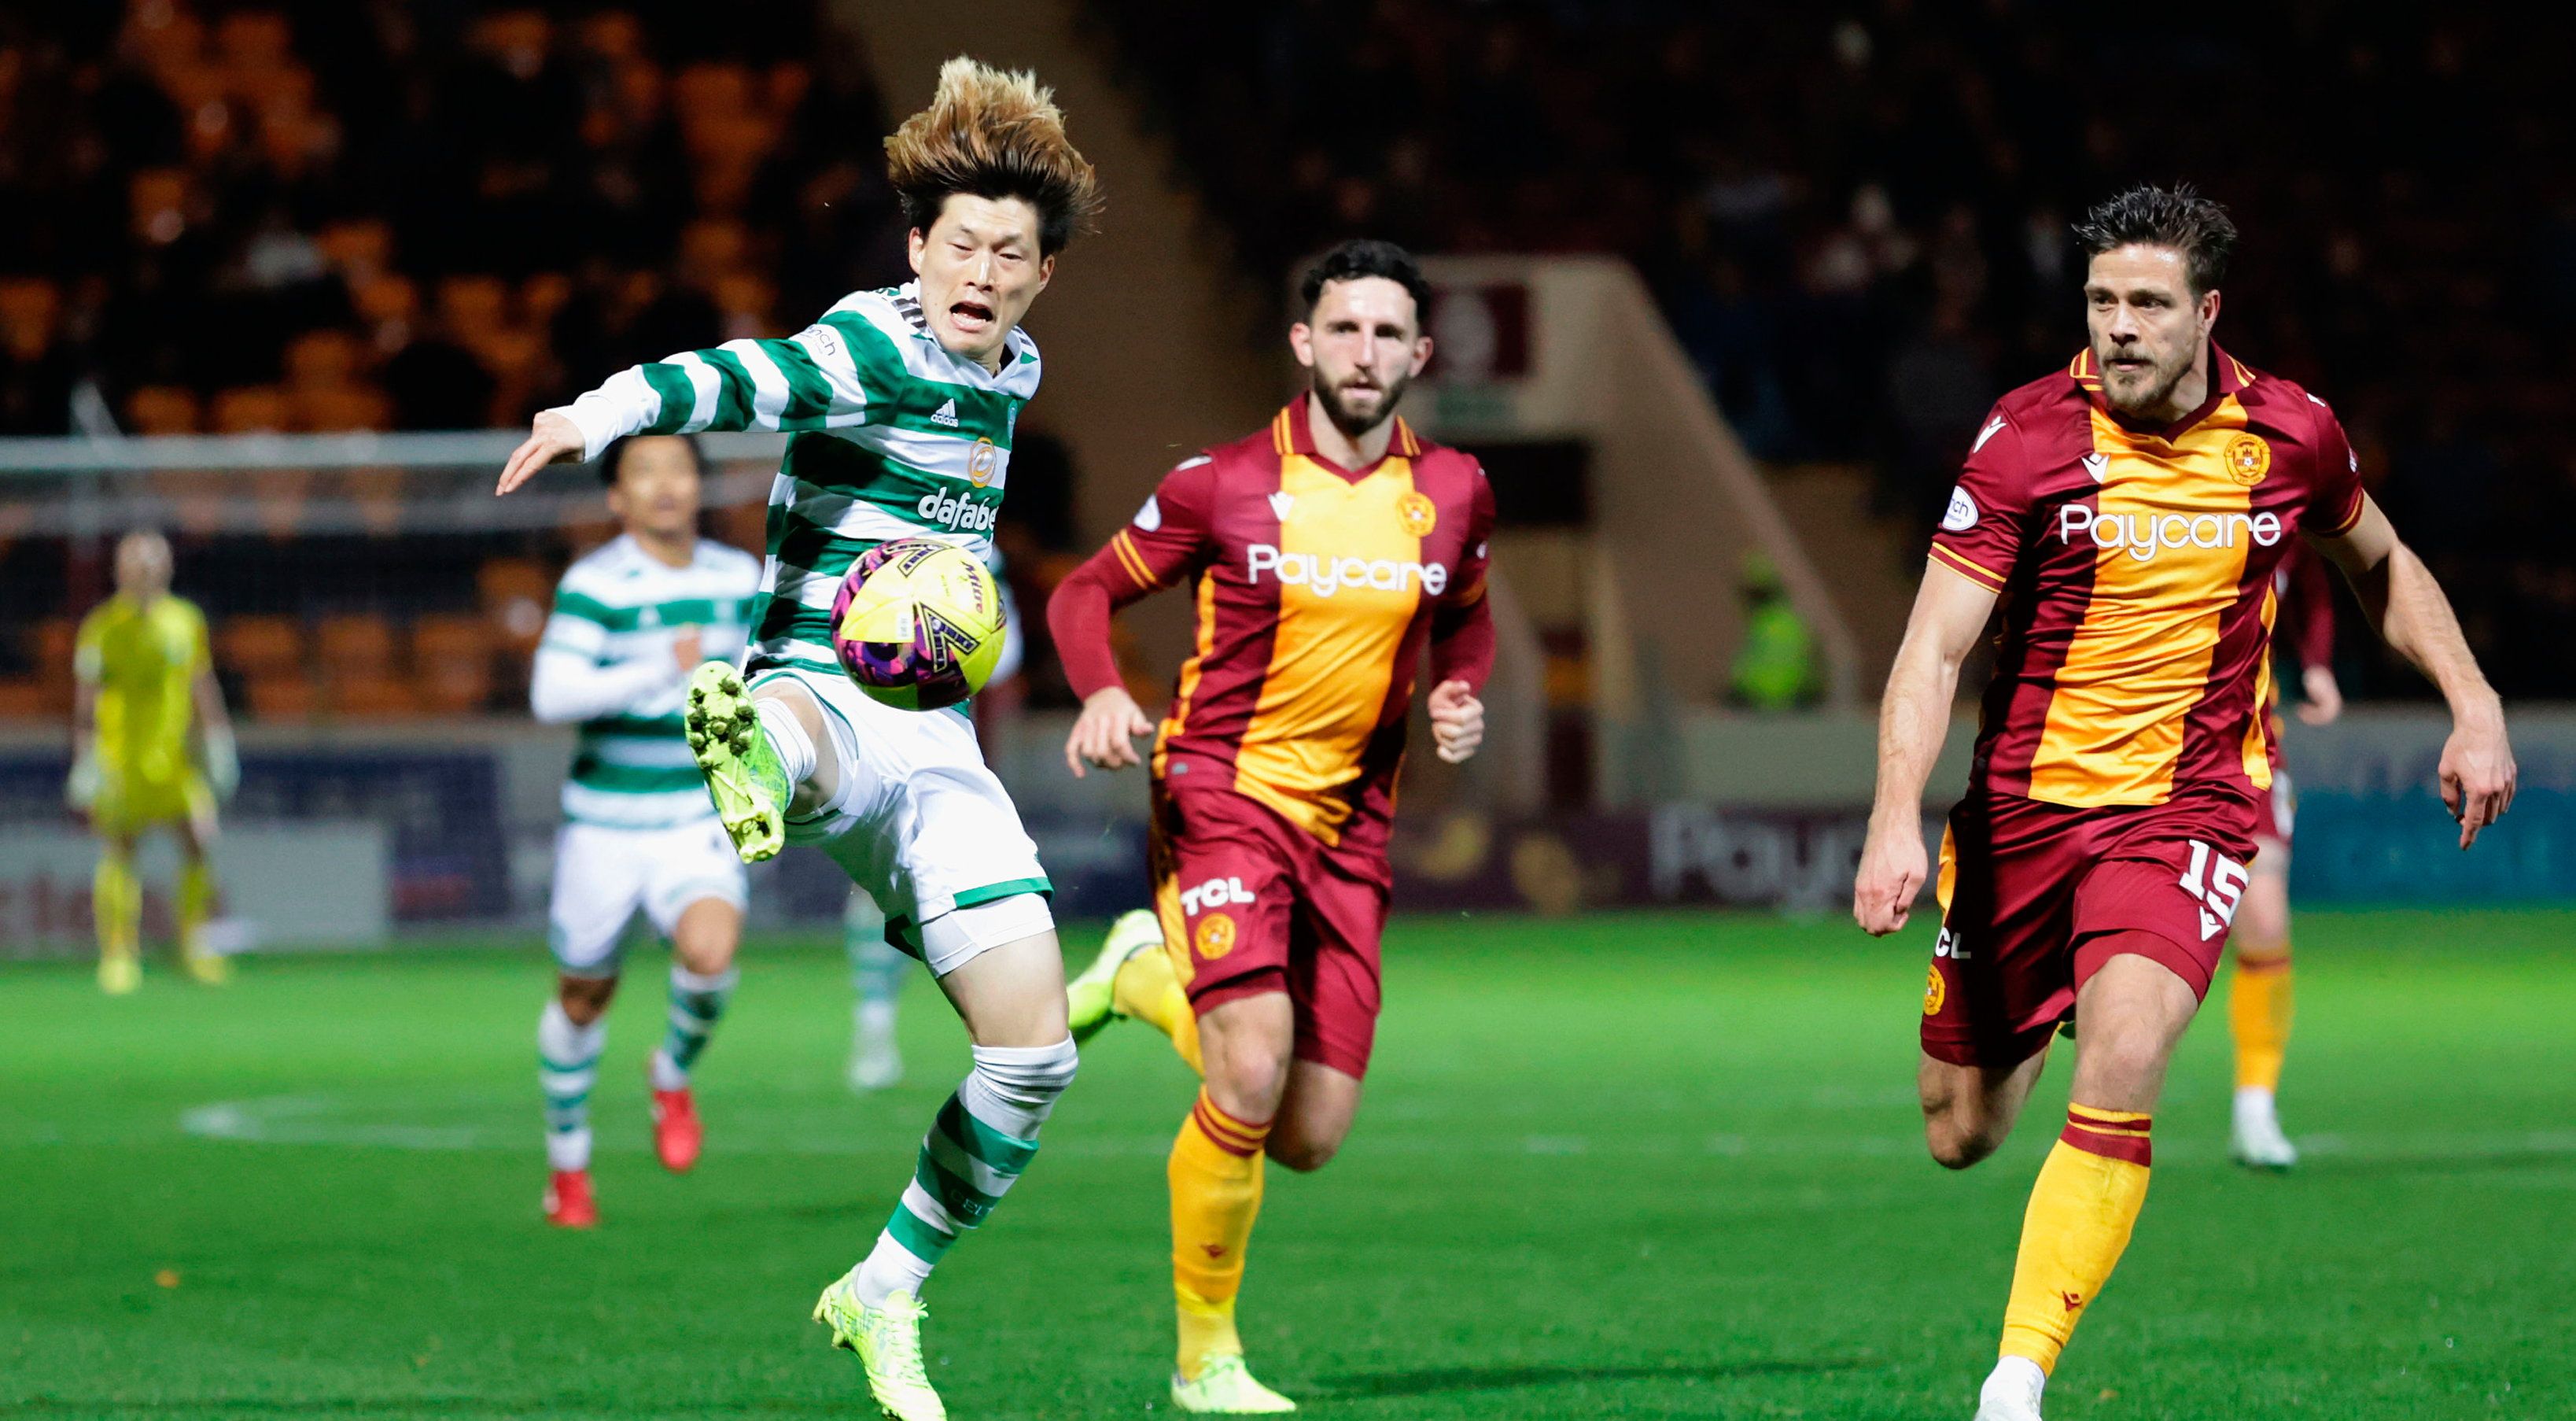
(892, 437)
(607, 662)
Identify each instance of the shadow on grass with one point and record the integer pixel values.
(1447, 1379)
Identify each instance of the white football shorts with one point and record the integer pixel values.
(603, 874)
(921, 822)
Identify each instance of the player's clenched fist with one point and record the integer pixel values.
(551, 439)
(1457, 720)
(1892, 867)
(1104, 734)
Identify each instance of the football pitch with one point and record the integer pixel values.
(1638, 1165)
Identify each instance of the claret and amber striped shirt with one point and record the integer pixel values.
(2136, 569)
(1317, 589)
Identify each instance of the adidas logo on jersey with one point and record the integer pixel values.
(1324, 574)
(947, 510)
(946, 414)
(2146, 535)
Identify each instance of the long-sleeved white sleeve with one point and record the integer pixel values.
(568, 686)
(811, 380)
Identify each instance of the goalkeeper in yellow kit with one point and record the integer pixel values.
(152, 748)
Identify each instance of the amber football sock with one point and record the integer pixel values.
(1216, 1194)
(2259, 1011)
(116, 901)
(1147, 989)
(2081, 1211)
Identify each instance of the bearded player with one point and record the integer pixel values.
(1324, 554)
(2258, 991)
(152, 748)
(900, 405)
(2128, 514)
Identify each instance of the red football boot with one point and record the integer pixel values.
(568, 1201)
(676, 1131)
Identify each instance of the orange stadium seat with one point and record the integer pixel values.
(452, 662)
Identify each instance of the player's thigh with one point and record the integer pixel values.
(2129, 1015)
(2262, 929)
(1339, 921)
(598, 884)
(1247, 1047)
(1010, 993)
(1225, 890)
(694, 893)
(2001, 976)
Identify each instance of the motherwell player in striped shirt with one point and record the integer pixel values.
(1324, 554)
(2127, 513)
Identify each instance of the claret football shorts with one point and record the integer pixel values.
(1251, 903)
(2030, 892)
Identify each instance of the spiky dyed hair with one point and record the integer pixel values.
(992, 133)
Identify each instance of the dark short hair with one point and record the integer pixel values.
(1364, 256)
(2177, 217)
(613, 458)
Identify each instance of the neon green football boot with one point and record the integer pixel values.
(742, 769)
(1224, 1387)
(888, 1341)
(1093, 996)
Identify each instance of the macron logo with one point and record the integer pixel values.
(1280, 503)
(1992, 427)
(946, 414)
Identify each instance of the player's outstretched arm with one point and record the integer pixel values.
(1913, 716)
(815, 379)
(2400, 598)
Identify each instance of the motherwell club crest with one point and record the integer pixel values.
(1418, 514)
(2249, 458)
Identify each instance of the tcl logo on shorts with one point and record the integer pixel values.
(1215, 893)
(2145, 535)
(1323, 574)
(1950, 945)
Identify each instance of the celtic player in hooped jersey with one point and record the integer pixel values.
(631, 620)
(901, 405)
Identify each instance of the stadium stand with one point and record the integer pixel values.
(1856, 217)
(472, 210)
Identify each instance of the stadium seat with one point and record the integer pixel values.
(452, 662)
(25, 698)
(252, 646)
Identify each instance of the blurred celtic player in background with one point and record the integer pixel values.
(151, 748)
(900, 405)
(877, 966)
(631, 620)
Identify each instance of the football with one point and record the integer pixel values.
(918, 624)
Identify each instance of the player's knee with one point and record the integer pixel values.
(1956, 1142)
(1302, 1153)
(1249, 1079)
(585, 999)
(1027, 1077)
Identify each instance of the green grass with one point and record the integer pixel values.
(1637, 1166)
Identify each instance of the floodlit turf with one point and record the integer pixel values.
(1635, 1166)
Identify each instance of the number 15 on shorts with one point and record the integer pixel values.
(2216, 882)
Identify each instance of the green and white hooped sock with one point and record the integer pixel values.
(983, 1139)
(567, 1068)
(696, 1004)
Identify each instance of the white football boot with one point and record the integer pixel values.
(2011, 1392)
(2256, 1141)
